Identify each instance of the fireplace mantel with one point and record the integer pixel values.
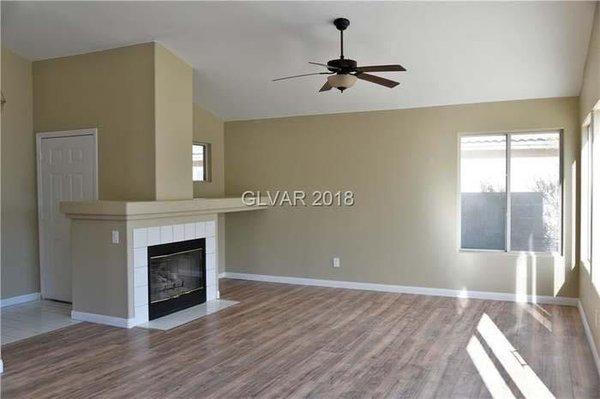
(133, 210)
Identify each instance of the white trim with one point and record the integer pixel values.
(1, 366)
(496, 296)
(589, 336)
(222, 275)
(587, 120)
(16, 300)
(38, 140)
(103, 319)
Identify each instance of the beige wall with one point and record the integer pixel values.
(174, 118)
(112, 90)
(140, 99)
(20, 270)
(402, 167)
(590, 94)
(210, 129)
(590, 90)
(100, 274)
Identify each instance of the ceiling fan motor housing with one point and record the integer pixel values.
(342, 65)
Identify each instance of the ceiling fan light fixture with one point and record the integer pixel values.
(342, 81)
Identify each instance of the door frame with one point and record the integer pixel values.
(38, 141)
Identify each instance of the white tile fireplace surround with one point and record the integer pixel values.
(110, 276)
(166, 234)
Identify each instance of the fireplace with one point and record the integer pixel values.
(176, 276)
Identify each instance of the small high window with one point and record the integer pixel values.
(201, 162)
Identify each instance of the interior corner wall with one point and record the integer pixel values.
(20, 266)
(173, 81)
(402, 166)
(590, 95)
(210, 129)
(111, 90)
(590, 89)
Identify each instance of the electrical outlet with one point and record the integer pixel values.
(115, 236)
(336, 262)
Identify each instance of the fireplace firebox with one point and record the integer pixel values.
(176, 276)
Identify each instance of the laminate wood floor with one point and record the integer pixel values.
(297, 341)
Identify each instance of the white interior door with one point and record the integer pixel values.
(67, 171)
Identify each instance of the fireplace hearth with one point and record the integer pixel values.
(176, 276)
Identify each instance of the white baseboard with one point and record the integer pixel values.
(222, 275)
(1, 366)
(589, 335)
(103, 319)
(15, 300)
(497, 296)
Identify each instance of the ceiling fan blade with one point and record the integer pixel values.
(381, 68)
(325, 65)
(377, 79)
(305, 74)
(326, 87)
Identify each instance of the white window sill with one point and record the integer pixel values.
(512, 253)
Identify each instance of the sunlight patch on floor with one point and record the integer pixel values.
(513, 363)
(488, 372)
(521, 278)
(462, 301)
(537, 315)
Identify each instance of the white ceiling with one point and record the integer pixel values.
(455, 53)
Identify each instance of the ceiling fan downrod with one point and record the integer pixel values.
(341, 24)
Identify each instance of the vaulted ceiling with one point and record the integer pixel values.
(455, 52)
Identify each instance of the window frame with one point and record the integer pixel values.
(590, 126)
(207, 170)
(507, 250)
(594, 128)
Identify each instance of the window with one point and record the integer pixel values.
(590, 195)
(201, 162)
(594, 219)
(511, 192)
(586, 194)
(483, 192)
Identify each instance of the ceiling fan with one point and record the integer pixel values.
(345, 72)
